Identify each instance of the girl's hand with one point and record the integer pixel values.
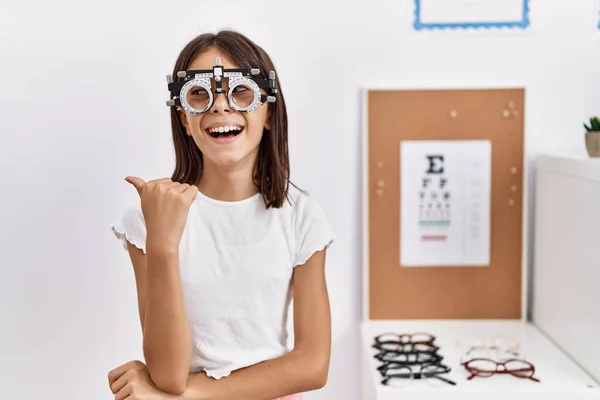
(165, 205)
(131, 381)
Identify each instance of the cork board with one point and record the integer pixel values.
(445, 292)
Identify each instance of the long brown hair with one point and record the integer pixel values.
(272, 167)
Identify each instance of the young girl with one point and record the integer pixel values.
(219, 248)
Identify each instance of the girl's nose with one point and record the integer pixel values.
(221, 104)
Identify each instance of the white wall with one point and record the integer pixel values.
(82, 94)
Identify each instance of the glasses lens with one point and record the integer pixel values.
(390, 366)
(389, 347)
(430, 372)
(397, 357)
(429, 358)
(400, 376)
(502, 355)
(422, 338)
(520, 368)
(475, 352)
(424, 348)
(242, 95)
(198, 97)
(387, 337)
(481, 367)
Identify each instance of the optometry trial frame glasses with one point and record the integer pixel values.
(196, 95)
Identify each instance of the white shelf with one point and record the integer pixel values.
(570, 163)
(566, 270)
(560, 377)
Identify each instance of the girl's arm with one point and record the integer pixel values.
(166, 336)
(138, 260)
(303, 369)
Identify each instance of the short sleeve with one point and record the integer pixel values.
(131, 228)
(312, 229)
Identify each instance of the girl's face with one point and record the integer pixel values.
(231, 149)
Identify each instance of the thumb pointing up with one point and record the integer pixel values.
(138, 183)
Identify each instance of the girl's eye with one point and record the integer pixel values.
(239, 89)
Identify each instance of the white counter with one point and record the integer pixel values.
(560, 377)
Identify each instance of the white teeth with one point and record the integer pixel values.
(222, 129)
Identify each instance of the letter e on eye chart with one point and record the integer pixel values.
(445, 203)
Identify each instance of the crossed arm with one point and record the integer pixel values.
(303, 369)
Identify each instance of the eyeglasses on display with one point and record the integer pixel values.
(484, 367)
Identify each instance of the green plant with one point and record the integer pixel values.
(594, 125)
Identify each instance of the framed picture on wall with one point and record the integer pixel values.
(471, 14)
(598, 14)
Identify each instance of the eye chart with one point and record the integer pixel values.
(445, 203)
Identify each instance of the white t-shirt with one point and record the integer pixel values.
(236, 261)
